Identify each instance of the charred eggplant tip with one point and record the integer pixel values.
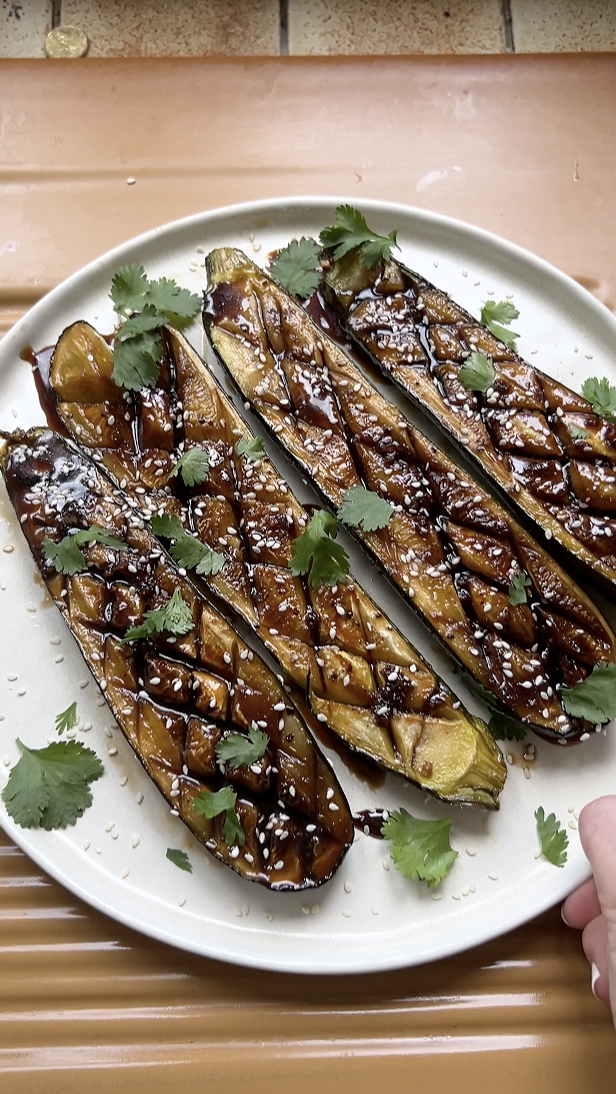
(226, 264)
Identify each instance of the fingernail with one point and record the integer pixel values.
(564, 918)
(594, 976)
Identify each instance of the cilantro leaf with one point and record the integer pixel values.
(193, 466)
(602, 395)
(176, 617)
(175, 303)
(49, 787)
(67, 556)
(477, 372)
(517, 588)
(494, 315)
(96, 534)
(363, 508)
(142, 323)
(232, 831)
(180, 859)
(239, 751)
(188, 551)
(252, 449)
(554, 839)
(210, 803)
(128, 288)
(505, 728)
(595, 697)
(295, 267)
(420, 849)
(192, 554)
(501, 725)
(67, 719)
(135, 361)
(315, 553)
(148, 305)
(169, 526)
(577, 433)
(351, 231)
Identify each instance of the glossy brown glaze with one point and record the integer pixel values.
(361, 676)
(176, 697)
(539, 441)
(451, 549)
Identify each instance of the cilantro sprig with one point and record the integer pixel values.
(595, 697)
(176, 618)
(317, 554)
(296, 267)
(211, 803)
(188, 552)
(67, 719)
(146, 306)
(179, 859)
(351, 232)
(602, 395)
(477, 372)
(364, 509)
(239, 751)
(252, 449)
(501, 725)
(193, 466)
(517, 588)
(67, 557)
(50, 787)
(420, 849)
(553, 838)
(577, 433)
(497, 317)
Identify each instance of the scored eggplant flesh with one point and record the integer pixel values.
(541, 443)
(175, 697)
(450, 548)
(362, 677)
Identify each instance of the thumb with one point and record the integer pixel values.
(597, 826)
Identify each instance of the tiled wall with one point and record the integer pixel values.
(130, 28)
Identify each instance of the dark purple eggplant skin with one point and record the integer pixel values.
(523, 432)
(176, 697)
(450, 548)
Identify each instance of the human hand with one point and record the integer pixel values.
(592, 907)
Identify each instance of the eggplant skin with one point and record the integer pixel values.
(363, 680)
(176, 697)
(542, 445)
(450, 548)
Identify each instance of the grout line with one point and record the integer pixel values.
(508, 25)
(284, 28)
(56, 13)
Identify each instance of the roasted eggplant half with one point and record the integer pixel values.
(187, 691)
(361, 676)
(540, 443)
(512, 618)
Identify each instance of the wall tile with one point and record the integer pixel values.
(395, 26)
(563, 26)
(192, 28)
(23, 26)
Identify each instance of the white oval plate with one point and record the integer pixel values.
(368, 917)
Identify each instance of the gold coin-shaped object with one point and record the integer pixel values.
(66, 42)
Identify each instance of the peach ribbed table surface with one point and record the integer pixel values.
(516, 145)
